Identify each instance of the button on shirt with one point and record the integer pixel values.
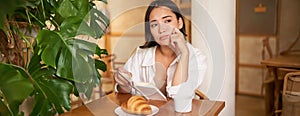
(142, 66)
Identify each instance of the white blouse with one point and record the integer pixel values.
(142, 66)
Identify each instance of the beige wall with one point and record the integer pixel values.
(126, 28)
(251, 73)
(213, 31)
(289, 23)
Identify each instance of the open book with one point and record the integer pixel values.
(148, 90)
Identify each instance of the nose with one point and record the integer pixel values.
(162, 28)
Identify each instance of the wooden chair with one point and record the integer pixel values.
(201, 95)
(268, 78)
(291, 94)
(268, 85)
(267, 52)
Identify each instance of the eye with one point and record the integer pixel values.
(167, 21)
(152, 25)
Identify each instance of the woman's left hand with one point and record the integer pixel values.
(178, 42)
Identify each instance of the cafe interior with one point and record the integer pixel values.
(264, 29)
(253, 49)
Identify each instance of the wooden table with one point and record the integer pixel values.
(285, 61)
(107, 104)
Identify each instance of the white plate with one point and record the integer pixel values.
(120, 112)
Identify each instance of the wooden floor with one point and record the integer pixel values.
(249, 105)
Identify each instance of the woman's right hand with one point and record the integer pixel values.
(123, 85)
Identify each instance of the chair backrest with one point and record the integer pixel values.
(291, 84)
(266, 53)
(266, 48)
(201, 95)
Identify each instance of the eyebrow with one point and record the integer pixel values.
(161, 18)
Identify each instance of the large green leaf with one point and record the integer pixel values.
(58, 61)
(84, 45)
(42, 107)
(73, 8)
(75, 25)
(67, 9)
(100, 65)
(50, 44)
(52, 92)
(98, 22)
(35, 65)
(81, 66)
(76, 15)
(100, 51)
(14, 85)
(70, 25)
(72, 58)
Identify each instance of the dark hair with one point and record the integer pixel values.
(150, 42)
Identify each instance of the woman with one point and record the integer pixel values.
(166, 59)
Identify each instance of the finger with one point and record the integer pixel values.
(121, 69)
(177, 31)
(121, 81)
(171, 43)
(173, 31)
(179, 34)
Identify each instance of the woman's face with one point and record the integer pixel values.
(162, 23)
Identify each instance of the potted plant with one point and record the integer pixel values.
(60, 64)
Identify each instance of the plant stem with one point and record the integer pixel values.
(36, 19)
(33, 81)
(28, 16)
(5, 102)
(42, 3)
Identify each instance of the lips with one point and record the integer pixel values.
(164, 37)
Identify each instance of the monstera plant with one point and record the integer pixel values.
(60, 64)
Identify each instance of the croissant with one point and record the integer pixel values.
(136, 105)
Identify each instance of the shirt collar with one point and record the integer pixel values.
(149, 57)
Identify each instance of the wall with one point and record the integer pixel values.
(289, 26)
(126, 28)
(213, 31)
(251, 71)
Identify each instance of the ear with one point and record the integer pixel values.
(180, 23)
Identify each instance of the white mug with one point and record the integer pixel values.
(183, 99)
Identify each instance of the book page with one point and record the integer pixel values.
(150, 91)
